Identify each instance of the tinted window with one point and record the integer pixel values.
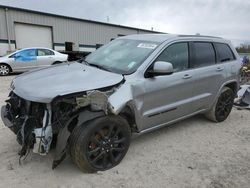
(44, 52)
(224, 52)
(177, 54)
(204, 54)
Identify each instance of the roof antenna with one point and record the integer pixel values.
(198, 34)
(108, 19)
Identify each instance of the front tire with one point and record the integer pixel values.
(100, 144)
(223, 106)
(4, 70)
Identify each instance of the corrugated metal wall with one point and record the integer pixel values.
(64, 29)
(3, 29)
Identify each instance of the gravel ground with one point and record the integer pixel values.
(191, 153)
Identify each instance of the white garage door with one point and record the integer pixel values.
(32, 36)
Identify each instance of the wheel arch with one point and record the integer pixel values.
(213, 113)
(64, 133)
(2, 63)
(232, 85)
(128, 114)
(56, 62)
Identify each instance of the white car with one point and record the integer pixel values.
(30, 58)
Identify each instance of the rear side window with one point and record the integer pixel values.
(204, 54)
(177, 54)
(224, 52)
(44, 52)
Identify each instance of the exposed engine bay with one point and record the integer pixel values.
(37, 124)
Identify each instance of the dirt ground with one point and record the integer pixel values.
(191, 153)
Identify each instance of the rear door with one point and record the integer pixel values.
(225, 56)
(208, 74)
(45, 57)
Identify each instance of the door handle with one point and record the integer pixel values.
(219, 69)
(187, 76)
(50, 57)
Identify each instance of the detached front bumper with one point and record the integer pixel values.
(30, 122)
(6, 121)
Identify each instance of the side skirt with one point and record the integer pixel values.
(169, 123)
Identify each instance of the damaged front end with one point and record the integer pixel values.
(31, 122)
(37, 124)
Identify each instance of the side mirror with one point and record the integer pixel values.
(161, 68)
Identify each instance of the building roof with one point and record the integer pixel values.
(74, 18)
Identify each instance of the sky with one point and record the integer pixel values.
(224, 18)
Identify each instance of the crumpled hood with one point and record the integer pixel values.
(45, 84)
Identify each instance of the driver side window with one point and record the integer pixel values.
(24, 53)
(177, 54)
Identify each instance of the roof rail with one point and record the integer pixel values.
(199, 36)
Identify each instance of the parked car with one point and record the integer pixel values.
(133, 85)
(30, 58)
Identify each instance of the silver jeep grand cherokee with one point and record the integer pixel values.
(132, 85)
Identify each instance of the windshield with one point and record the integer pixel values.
(122, 56)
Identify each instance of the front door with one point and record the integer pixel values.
(24, 60)
(169, 97)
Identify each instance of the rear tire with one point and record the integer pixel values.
(223, 106)
(57, 62)
(100, 144)
(4, 70)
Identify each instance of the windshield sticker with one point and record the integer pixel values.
(130, 65)
(147, 45)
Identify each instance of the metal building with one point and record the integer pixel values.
(20, 28)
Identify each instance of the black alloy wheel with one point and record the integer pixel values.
(100, 144)
(106, 147)
(224, 105)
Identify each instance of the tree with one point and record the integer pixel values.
(243, 48)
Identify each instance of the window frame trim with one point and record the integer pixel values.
(44, 49)
(194, 54)
(216, 49)
(163, 49)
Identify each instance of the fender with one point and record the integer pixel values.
(65, 132)
(233, 81)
